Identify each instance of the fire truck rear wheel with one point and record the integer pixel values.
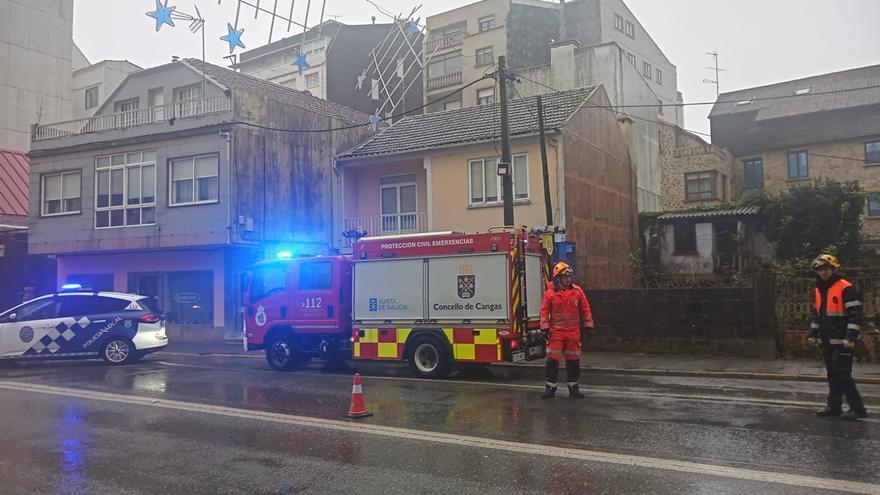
(430, 358)
(280, 353)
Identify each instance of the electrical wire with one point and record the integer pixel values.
(704, 103)
(355, 126)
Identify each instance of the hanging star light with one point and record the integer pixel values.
(233, 37)
(162, 14)
(301, 61)
(374, 121)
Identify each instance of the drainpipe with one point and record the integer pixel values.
(230, 167)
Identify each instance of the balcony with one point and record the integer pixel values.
(399, 223)
(445, 41)
(121, 120)
(444, 81)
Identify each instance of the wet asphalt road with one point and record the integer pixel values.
(200, 424)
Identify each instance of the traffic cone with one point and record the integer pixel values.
(357, 409)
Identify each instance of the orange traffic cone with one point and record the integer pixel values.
(357, 409)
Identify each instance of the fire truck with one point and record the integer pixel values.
(434, 300)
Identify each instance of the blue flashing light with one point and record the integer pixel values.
(284, 255)
(71, 287)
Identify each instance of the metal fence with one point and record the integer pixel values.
(794, 295)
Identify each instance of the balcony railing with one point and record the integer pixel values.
(399, 223)
(177, 110)
(444, 81)
(445, 41)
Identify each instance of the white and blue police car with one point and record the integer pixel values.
(80, 323)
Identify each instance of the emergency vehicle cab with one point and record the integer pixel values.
(433, 300)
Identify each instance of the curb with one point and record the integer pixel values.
(610, 371)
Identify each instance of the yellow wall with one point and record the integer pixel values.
(451, 190)
(362, 185)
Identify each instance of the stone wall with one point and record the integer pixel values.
(841, 161)
(735, 321)
(682, 152)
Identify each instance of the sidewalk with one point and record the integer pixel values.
(637, 364)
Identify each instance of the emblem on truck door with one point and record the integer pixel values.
(467, 286)
(260, 316)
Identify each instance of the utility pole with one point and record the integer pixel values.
(548, 207)
(505, 165)
(717, 70)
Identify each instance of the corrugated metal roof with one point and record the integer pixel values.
(237, 80)
(14, 168)
(470, 125)
(822, 93)
(726, 212)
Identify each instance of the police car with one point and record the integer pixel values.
(79, 323)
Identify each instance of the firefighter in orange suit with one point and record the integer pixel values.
(836, 327)
(565, 313)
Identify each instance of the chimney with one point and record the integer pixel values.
(563, 67)
(373, 18)
(563, 32)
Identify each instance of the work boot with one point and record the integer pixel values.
(549, 392)
(852, 415)
(574, 392)
(829, 413)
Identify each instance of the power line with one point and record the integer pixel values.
(704, 103)
(355, 126)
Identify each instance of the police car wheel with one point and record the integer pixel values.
(118, 350)
(280, 353)
(430, 358)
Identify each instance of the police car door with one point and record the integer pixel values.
(26, 329)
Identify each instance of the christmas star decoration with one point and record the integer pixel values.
(374, 121)
(233, 37)
(162, 14)
(412, 26)
(301, 61)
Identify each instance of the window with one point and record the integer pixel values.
(399, 203)
(447, 63)
(685, 238)
(78, 306)
(659, 77)
(797, 165)
(486, 96)
(126, 189)
(485, 183)
(874, 205)
(452, 105)
(803, 91)
(91, 97)
(315, 275)
(313, 80)
(872, 153)
(188, 100)
(618, 23)
(742, 103)
(484, 56)
(128, 111)
(699, 186)
(646, 69)
(753, 172)
(92, 281)
(61, 193)
(268, 279)
(630, 30)
(156, 101)
(631, 58)
(42, 309)
(195, 180)
(486, 23)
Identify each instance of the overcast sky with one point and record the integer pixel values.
(759, 41)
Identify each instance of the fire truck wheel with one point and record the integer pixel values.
(280, 353)
(430, 358)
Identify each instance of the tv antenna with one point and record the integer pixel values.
(717, 70)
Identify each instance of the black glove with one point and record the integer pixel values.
(586, 334)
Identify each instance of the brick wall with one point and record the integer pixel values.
(842, 161)
(601, 203)
(682, 152)
(693, 321)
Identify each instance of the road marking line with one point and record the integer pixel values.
(834, 485)
(587, 389)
